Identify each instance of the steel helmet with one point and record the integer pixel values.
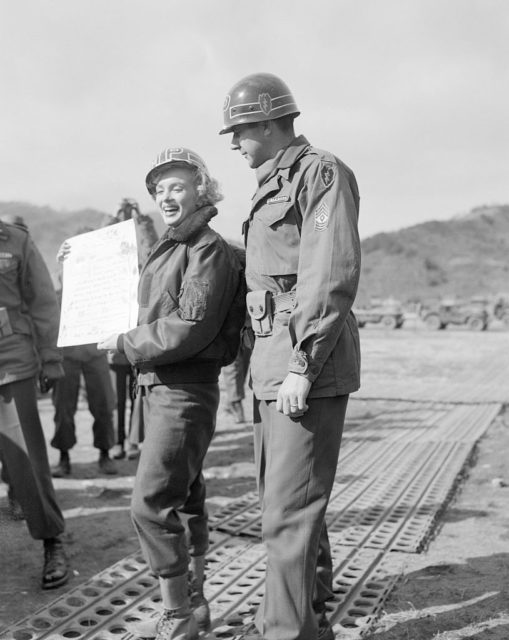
(170, 156)
(256, 98)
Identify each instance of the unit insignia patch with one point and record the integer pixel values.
(327, 173)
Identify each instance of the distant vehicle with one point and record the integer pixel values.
(473, 314)
(501, 308)
(387, 313)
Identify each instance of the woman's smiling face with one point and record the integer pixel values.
(176, 195)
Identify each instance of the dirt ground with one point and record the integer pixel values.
(457, 589)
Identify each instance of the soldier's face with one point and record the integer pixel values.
(176, 195)
(250, 140)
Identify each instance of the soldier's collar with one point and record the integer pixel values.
(284, 159)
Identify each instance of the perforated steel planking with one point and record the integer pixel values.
(108, 606)
(104, 606)
(388, 495)
(398, 469)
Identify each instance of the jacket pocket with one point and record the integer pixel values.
(8, 264)
(274, 239)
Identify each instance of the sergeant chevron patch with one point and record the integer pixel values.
(322, 213)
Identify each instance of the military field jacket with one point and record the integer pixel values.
(186, 289)
(302, 236)
(29, 321)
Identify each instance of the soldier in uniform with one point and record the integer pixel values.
(28, 335)
(303, 264)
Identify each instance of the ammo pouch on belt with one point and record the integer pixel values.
(263, 304)
(259, 307)
(5, 323)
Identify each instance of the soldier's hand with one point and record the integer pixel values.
(292, 395)
(109, 343)
(49, 374)
(64, 251)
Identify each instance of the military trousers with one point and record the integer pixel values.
(234, 375)
(296, 462)
(168, 503)
(25, 457)
(99, 390)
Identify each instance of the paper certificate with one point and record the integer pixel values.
(100, 283)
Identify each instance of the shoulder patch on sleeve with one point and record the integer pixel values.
(193, 299)
(327, 173)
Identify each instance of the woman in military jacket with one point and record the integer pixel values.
(187, 329)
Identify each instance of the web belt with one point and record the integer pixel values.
(283, 301)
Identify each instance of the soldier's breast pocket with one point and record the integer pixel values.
(8, 263)
(277, 233)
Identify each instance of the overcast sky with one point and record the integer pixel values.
(412, 94)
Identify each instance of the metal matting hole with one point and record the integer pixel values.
(362, 603)
(146, 609)
(87, 622)
(129, 567)
(118, 602)
(235, 622)
(104, 612)
(350, 623)
(72, 601)
(132, 618)
(116, 574)
(23, 634)
(117, 630)
(59, 612)
(146, 583)
(103, 584)
(41, 623)
(375, 586)
(132, 592)
(72, 633)
(91, 593)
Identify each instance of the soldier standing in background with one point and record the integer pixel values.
(146, 238)
(302, 271)
(28, 335)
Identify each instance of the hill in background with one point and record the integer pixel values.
(460, 257)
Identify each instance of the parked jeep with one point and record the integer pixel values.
(501, 308)
(386, 313)
(473, 314)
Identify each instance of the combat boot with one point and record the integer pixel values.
(198, 602)
(177, 624)
(325, 631)
(63, 468)
(177, 621)
(106, 464)
(56, 571)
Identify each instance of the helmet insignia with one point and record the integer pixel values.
(226, 102)
(265, 103)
